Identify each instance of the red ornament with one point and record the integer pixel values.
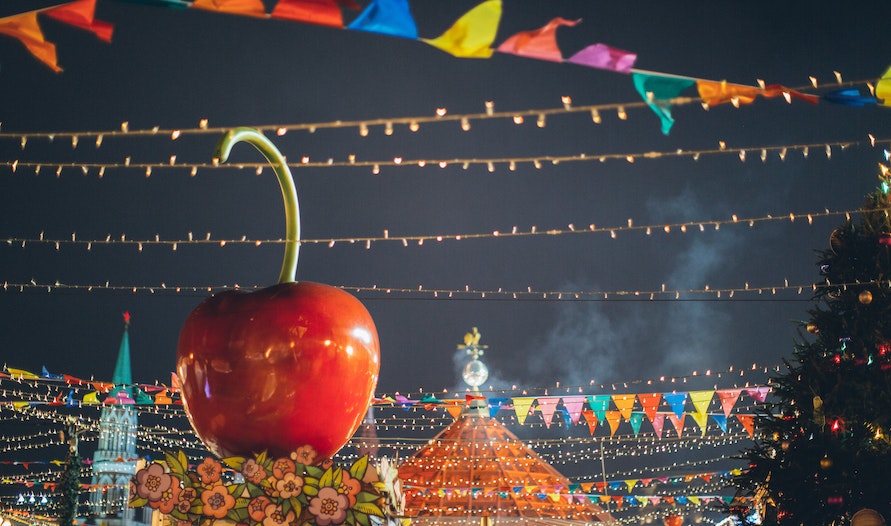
(885, 239)
(673, 520)
(290, 365)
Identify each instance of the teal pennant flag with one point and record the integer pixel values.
(658, 90)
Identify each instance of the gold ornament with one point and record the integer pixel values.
(826, 462)
(812, 328)
(865, 297)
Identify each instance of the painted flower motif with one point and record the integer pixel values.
(306, 455)
(329, 507)
(289, 486)
(209, 471)
(276, 517)
(151, 482)
(169, 497)
(257, 508)
(217, 501)
(282, 466)
(349, 487)
(327, 463)
(253, 472)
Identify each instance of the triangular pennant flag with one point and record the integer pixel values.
(650, 403)
(758, 393)
(613, 418)
(547, 404)
(658, 423)
(91, 398)
(883, 88)
(162, 398)
(591, 419)
(678, 422)
(714, 92)
(81, 13)
(235, 7)
(567, 420)
(471, 35)
(631, 483)
(721, 420)
(573, 406)
(616, 485)
(605, 57)
(850, 97)
(599, 404)
(676, 401)
(624, 403)
(748, 423)
(728, 399)
(495, 405)
(25, 29)
(635, 420)
(693, 500)
(539, 43)
(20, 373)
(701, 420)
(658, 91)
(454, 410)
(387, 17)
(701, 400)
(521, 407)
(320, 12)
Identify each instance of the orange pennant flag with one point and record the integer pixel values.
(81, 13)
(613, 418)
(678, 422)
(471, 35)
(748, 423)
(320, 12)
(624, 403)
(455, 409)
(235, 7)
(591, 419)
(650, 403)
(714, 93)
(538, 43)
(24, 28)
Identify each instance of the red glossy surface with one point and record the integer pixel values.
(279, 368)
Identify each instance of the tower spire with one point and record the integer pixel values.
(122, 374)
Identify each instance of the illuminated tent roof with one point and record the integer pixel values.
(477, 472)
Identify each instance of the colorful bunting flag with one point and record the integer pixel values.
(624, 403)
(599, 404)
(387, 17)
(613, 418)
(883, 88)
(81, 13)
(547, 405)
(714, 92)
(728, 399)
(758, 393)
(539, 43)
(678, 422)
(234, 7)
(650, 404)
(495, 405)
(602, 56)
(701, 400)
(658, 423)
(591, 419)
(658, 92)
(319, 12)
(748, 423)
(471, 36)
(676, 401)
(635, 419)
(521, 408)
(850, 97)
(573, 406)
(701, 420)
(721, 420)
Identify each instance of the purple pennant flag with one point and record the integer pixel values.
(605, 57)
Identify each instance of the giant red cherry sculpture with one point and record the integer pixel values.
(286, 366)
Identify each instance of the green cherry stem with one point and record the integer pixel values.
(285, 181)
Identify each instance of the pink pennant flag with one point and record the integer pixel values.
(602, 56)
(539, 43)
(658, 423)
(758, 393)
(728, 399)
(547, 405)
(573, 406)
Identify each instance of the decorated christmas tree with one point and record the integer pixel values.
(823, 451)
(68, 487)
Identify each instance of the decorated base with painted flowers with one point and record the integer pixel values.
(264, 491)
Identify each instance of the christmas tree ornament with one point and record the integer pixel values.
(867, 517)
(825, 462)
(291, 365)
(865, 297)
(812, 328)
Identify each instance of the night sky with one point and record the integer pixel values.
(173, 68)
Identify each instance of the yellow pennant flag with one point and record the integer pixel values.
(25, 29)
(521, 408)
(471, 36)
(91, 398)
(701, 400)
(19, 373)
(701, 420)
(883, 88)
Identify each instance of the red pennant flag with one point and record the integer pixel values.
(728, 399)
(81, 13)
(320, 12)
(25, 29)
(539, 43)
(591, 419)
(748, 422)
(650, 403)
